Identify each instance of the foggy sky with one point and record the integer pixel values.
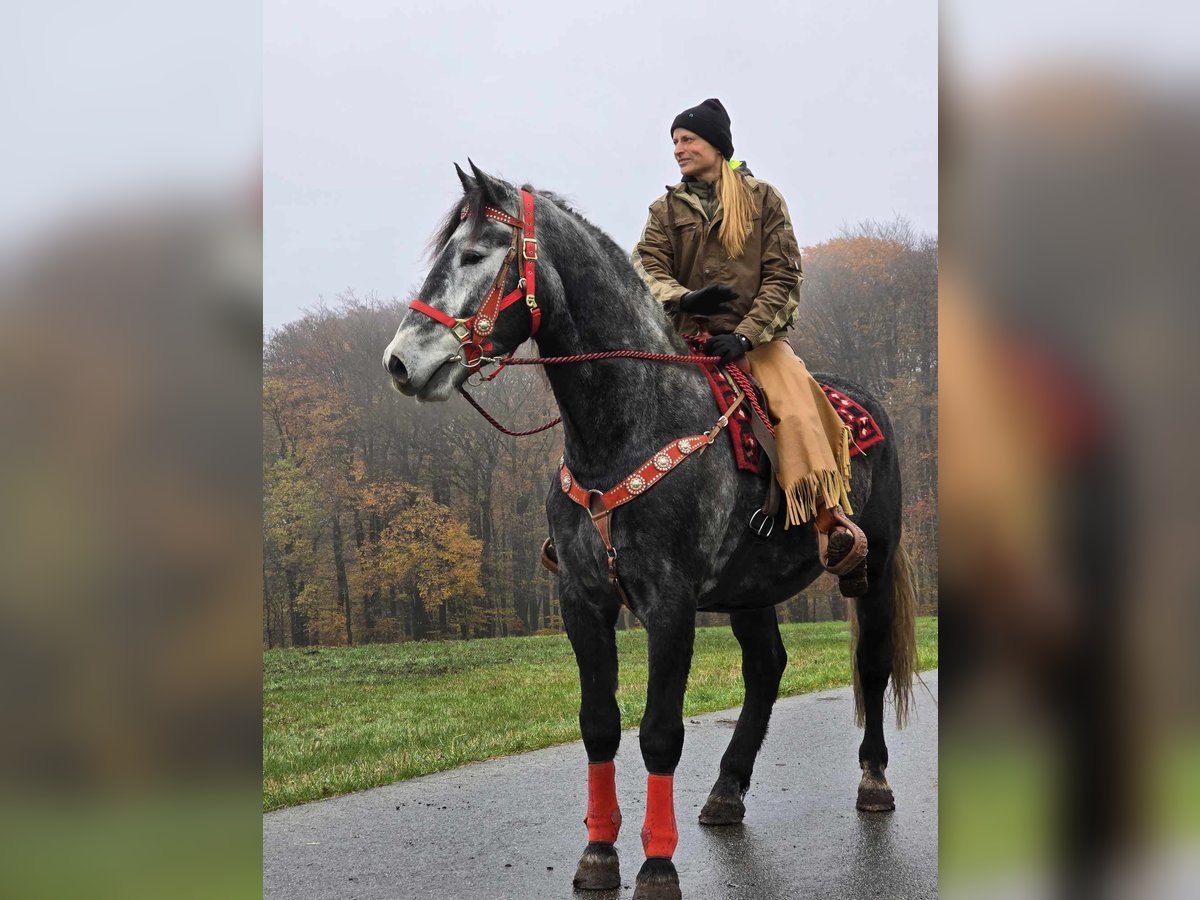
(367, 105)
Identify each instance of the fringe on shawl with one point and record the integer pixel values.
(822, 487)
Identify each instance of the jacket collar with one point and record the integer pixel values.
(680, 190)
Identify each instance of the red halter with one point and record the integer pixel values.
(473, 332)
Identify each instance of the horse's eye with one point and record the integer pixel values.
(470, 257)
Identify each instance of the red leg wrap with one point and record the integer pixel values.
(659, 836)
(603, 818)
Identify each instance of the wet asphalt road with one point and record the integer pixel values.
(512, 829)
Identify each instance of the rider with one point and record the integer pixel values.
(719, 253)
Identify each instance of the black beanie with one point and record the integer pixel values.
(711, 122)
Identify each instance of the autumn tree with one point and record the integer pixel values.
(292, 529)
(868, 311)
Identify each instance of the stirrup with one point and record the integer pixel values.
(550, 556)
(858, 547)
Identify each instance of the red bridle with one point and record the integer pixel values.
(473, 332)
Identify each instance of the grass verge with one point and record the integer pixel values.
(342, 719)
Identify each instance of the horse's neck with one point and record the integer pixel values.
(616, 413)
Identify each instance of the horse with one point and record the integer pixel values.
(666, 550)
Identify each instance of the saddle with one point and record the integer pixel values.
(742, 432)
(753, 441)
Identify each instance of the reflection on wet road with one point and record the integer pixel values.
(512, 829)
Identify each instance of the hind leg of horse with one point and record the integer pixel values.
(763, 662)
(661, 736)
(874, 661)
(593, 638)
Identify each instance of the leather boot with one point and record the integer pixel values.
(841, 544)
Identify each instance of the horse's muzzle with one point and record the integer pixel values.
(396, 369)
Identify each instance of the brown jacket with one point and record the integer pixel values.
(680, 250)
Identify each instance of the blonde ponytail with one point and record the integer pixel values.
(734, 194)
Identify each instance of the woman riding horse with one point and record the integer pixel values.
(719, 253)
(634, 441)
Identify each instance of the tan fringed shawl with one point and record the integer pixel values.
(812, 441)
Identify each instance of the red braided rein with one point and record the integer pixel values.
(751, 395)
(737, 374)
(607, 354)
(483, 412)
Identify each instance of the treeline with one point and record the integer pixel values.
(389, 520)
(868, 311)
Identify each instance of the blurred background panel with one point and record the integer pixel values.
(130, 339)
(1070, 135)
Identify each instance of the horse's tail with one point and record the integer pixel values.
(904, 641)
(904, 633)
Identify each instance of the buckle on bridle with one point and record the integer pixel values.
(461, 330)
(764, 524)
(525, 248)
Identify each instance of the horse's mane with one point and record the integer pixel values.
(607, 243)
(475, 220)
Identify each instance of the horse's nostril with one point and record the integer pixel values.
(396, 368)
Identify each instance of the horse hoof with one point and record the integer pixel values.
(722, 811)
(875, 794)
(657, 880)
(599, 868)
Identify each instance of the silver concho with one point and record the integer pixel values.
(483, 325)
(686, 446)
(662, 462)
(636, 484)
(566, 481)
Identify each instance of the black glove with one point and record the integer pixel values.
(727, 346)
(707, 300)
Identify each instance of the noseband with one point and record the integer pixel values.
(473, 333)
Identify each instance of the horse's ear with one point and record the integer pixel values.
(491, 193)
(467, 183)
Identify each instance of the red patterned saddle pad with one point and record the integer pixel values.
(864, 431)
(745, 445)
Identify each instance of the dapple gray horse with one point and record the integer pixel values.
(671, 543)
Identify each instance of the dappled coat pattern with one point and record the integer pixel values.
(675, 542)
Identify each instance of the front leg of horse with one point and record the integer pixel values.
(763, 662)
(670, 642)
(591, 631)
